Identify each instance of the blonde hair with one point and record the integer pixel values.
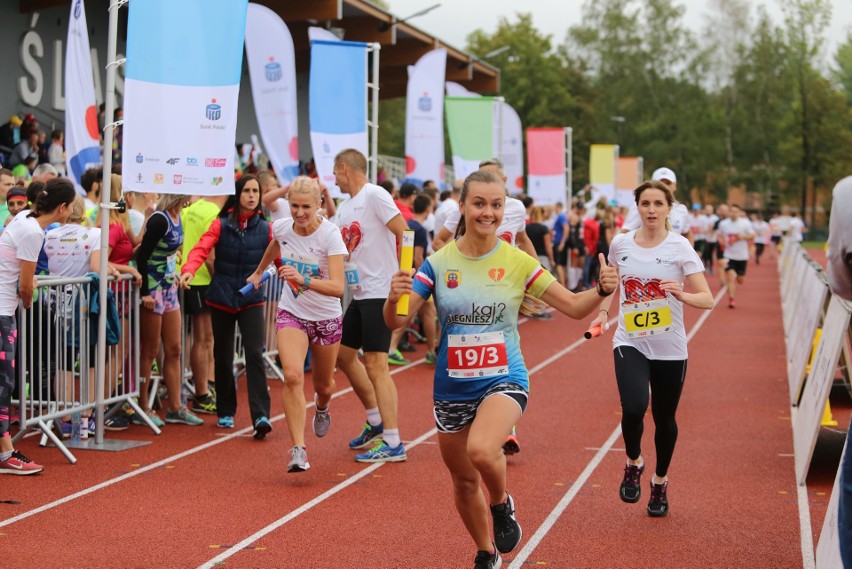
(303, 185)
(170, 201)
(78, 212)
(115, 196)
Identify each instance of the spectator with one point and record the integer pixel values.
(407, 192)
(44, 172)
(56, 151)
(16, 202)
(7, 181)
(10, 135)
(27, 148)
(91, 182)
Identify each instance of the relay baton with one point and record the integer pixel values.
(595, 331)
(265, 277)
(406, 263)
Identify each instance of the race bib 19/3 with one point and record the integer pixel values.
(472, 356)
(647, 318)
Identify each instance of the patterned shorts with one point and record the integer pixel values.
(319, 332)
(454, 416)
(165, 299)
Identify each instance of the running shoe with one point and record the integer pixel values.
(92, 426)
(321, 423)
(732, 303)
(431, 358)
(225, 422)
(117, 422)
(487, 560)
(262, 427)
(383, 453)
(405, 346)
(183, 416)
(137, 420)
(367, 436)
(19, 465)
(298, 460)
(396, 358)
(204, 404)
(658, 505)
(631, 488)
(512, 444)
(507, 530)
(65, 428)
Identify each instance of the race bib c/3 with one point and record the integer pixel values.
(650, 318)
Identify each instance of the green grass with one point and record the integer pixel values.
(813, 244)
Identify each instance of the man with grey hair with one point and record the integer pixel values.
(44, 172)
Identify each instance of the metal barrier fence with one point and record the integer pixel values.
(56, 359)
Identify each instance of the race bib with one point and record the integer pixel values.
(472, 356)
(306, 265)
(647, 318)
(171, 265)
(352, 280)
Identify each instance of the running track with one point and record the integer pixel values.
(204, 497)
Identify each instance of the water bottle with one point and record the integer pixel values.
(84, 428)
(76, 425)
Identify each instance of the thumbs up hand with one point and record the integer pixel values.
(608, 278)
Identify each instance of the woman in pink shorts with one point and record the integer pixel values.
(309, 313)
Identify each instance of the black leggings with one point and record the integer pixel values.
(634, 372)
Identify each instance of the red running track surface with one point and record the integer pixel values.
(203, 495)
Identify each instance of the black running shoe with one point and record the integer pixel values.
(658, 505)
(631, 488)
(507, 531)
(487, 560)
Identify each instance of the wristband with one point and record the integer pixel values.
(307, 283)
(601, 292)
(604, 310)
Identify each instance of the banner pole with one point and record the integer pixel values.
(500, 101)
(374, 114)
(568, 169)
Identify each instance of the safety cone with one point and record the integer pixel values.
(827, 417)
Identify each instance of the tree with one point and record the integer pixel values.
(843, 73)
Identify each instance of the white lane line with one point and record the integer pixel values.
(542, 531)
(305, 507)
(331, 492)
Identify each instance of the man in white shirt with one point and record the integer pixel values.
(273, 196)
(371, 225)
(735, 232)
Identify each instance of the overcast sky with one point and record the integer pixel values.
(455, 19)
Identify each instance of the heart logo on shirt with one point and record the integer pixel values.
(507, 237)
(496, 274)
(636, 291)
(351, 235)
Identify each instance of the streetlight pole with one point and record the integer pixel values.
(619, 121)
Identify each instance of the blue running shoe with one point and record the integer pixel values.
(225, 422)
(383, 453)
(262, 427)
(367, 436)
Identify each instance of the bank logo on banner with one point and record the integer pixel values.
(184, 62)
(424, 103)
(272, 70)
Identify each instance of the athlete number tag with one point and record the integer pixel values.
(647, 318)
(471, 356)
(352, 279)
(306, 266)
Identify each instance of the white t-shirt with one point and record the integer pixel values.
(514, 221)
(761, 231)
(796, 228)
(698, 224)
(309, 254)
(363, 221)
(137, 220)
(69, 247)
(283, 211)
(640, 271)
(445, 208)
(736, 249)
(20, 241)
(711, 228)
(678, 217)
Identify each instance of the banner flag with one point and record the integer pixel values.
(272, 70)
(546, 165)
(424, 119)
(184, 61)
(456, 90)
(337, 103)
(602, 165)
(470, 126)
(512, 150)
(629, 178)
(82, 139)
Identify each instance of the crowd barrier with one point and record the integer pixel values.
(57, 356)
(818, 340)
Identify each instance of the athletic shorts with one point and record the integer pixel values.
(165, 299)
(737, 266)
(776, 239)
(454, 416)
(560, 255)
(364, 326)
(194, 300)
(319, 332)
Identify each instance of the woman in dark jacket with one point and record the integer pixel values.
(239, 236)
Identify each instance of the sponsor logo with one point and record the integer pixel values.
(480, 315)
(139, 178)
(452, 278)
(273, 70)
(624, 258)
(158, 178)
(496, 274)
(78, 8)
(140, 158)
(326, 148)
(424, 103)
(217, 180)
(177, 179)
(192, 161)
(215, 162)
(172, 161)
(213, 111)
